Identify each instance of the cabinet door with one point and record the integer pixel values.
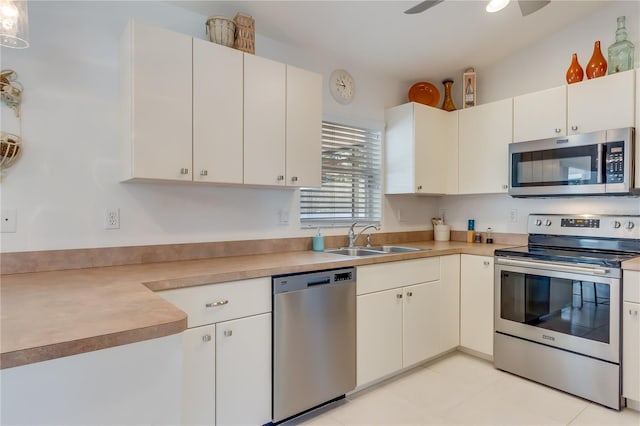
(198, 380)
(601, 103)
(540, 115)
(476, 303)
(379, 335)
(400, 153)
(421, 323)
(452, 152)
(243, 371)
(637, 184)
(485, 132)
(431, 137)
(160, 85)
(631, 350)
(304, 128)
(217, 113)
(449, 306)
(264, 121)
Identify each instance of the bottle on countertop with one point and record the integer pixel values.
(318, 241)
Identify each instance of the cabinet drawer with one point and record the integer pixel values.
(213, 303)
(384, 276)
(631, 286)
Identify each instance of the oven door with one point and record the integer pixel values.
(574, 308)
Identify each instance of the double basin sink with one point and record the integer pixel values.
(373, 250)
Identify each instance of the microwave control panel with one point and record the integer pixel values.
(614, 162)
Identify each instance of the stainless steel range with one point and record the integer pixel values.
(558, 301)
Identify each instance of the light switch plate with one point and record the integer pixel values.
(9, 220)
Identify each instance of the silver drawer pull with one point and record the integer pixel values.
(216, 304)
(206, 338)
(399, 296)
(228, 333)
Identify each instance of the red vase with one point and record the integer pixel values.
(575, 72)
(597, 66)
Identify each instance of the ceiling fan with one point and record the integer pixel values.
(527, 7)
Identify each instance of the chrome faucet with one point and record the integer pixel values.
(352, 235)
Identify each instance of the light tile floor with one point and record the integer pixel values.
(460, 389)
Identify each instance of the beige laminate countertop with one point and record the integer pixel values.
(48, 315)
(632, 264)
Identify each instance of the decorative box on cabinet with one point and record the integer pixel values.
(156, 72)
(227, 352)
(476, 304)
(407, 313)
(631, 338)
(484, 134)
(418, 140)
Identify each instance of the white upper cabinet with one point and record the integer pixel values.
(157, 77)
(418, 138)
(303, 128)
(264, 121)
(601, 103)
(638, 130)
(217, 113)
(484, 135)
(540, 115)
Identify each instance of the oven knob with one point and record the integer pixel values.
(616, 224)
(629, 225)
(547, 222)
(538, 222)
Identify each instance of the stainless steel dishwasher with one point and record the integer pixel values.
(314, 339)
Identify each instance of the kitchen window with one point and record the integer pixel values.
(351, 179)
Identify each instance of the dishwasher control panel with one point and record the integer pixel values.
(294, 282)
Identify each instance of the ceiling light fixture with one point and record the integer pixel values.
(496, 5)
(14, 24)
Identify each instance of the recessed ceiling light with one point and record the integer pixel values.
(496, 5)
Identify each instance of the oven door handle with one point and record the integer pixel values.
(553, 266)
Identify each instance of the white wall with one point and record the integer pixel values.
(69, 172)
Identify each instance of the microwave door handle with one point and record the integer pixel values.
(599, 173)
(553, 266)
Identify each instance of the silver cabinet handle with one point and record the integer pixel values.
(399, 296)
(216, 304)
(409, 293)
(184, 171)
(280, 178)
(228, 333)
(505, 186)
(574, 128)
(294, 178)
(486, 263)
(419, 187)
(204, 173)
(206, 338)
(557, 130)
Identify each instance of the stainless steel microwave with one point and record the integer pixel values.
(598, 163)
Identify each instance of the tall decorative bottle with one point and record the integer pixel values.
(447, 104)
(597, 66)
(621, 52)
(575, 73)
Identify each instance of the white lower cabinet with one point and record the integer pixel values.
(476, 303)
(631, 338)
(407, 313)
(227, 361)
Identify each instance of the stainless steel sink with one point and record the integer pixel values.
(355, 251)
(370, 251)
(395, 249)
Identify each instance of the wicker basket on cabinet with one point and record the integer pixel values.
(245, 33)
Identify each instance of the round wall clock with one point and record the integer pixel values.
(342, 86)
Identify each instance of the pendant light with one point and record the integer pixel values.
(496, 5)
(14, 24)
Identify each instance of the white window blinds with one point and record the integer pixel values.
(351, 179)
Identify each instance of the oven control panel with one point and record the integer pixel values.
(604, 226)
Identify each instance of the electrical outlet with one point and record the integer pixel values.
(9, 220)
(112, 218)
(513, 216)
(283, 217)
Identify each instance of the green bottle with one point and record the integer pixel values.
(621, 52)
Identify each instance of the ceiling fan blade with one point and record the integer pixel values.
(527, 7)
(422, 6)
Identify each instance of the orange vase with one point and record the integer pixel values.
(447, 104)
(597, 66)
(575, 72)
